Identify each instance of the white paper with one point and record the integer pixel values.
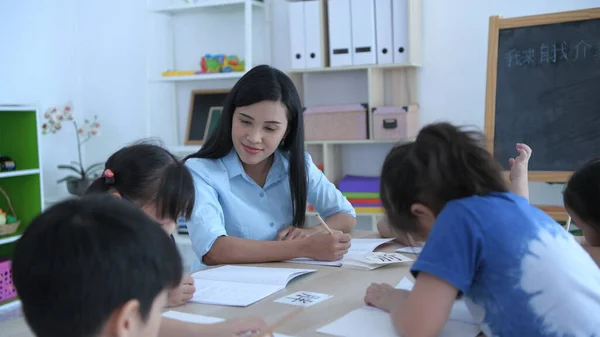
(366, 321)
(410, 250)
(200, 319)
(241, 285)
(303, 298)
(357, 247)
(460, 312)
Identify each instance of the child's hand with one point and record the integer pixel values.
(246, 326)
(380, 295)
(183, 293)
(519, 165)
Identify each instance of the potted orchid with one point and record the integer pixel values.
(80, 178)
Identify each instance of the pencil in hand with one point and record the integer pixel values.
(324, 224)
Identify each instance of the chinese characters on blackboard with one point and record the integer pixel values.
(553, 53)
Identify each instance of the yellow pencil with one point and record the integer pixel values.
(324, 224)
(285, 318)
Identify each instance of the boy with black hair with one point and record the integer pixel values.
(99, 266)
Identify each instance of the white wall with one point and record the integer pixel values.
(39, 65)
(452, 79)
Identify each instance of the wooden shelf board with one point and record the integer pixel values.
(18, 173)
(9, 239)
(200, 77)
(352, 68)
(178, 9)
(358, 141)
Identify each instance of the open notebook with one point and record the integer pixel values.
(241, 285)
(200, 319)
(369, 321)
(357, 247)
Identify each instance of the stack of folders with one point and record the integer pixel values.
(361, 32)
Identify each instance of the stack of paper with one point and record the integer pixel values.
(241, 285)
(191, 318)
(369, 321)
(357, 247)
(373, 260)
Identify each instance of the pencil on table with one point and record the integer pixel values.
(270, 330)
(324, 224)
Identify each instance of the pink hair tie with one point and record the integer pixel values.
(109, 176)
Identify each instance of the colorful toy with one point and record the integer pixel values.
(220, 63)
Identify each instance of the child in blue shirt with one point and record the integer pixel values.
(253, 180)
(580, 197)
(153, 179)
(99, 267)
(518, 270)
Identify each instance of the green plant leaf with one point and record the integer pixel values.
(93, 167)
(71, 167)
(68, 178)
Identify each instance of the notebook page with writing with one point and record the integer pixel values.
(200, 319)
(241, 285)
(357, 246)
(368, 321)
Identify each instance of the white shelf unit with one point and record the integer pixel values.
(377, 85)
(178, 35)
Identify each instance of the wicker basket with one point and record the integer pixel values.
(11, 228)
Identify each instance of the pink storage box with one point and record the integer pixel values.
(336, 122)
(395, 122)
(7, 289)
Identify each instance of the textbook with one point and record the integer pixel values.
(241, 285)
(357, 247)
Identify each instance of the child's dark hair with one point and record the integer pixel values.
(148, 174)
(443, 163)
(265, 83)
(582, 193)
(82, 259)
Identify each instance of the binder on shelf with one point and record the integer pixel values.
(400, 30)
(297, 37)
(383, 31)
(312, 34)
(339, 24)
(363, 32)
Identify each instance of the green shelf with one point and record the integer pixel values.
(19, 141)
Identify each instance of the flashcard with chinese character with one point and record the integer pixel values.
(303, 298)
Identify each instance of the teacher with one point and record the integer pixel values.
(253, 179)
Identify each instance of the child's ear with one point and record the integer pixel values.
(424, 215)
(116, 194)
(125, 320)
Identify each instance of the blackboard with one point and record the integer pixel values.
(546, 91)
(201, 103)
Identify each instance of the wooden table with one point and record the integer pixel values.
(346, 285)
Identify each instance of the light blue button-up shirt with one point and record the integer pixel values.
(229, 202)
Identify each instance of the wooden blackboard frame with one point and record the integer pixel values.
(496, 23)
(197, 94)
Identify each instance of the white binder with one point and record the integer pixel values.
(312, 33)
(363, 32)
(340, 36)
(400, 30)
(297, 35)
(383, 31)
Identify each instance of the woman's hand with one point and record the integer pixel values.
(384, 296)
(183, 293)
(326, 247)
(293, 233)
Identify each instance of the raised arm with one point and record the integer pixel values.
(519, 171)
(328, 201)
